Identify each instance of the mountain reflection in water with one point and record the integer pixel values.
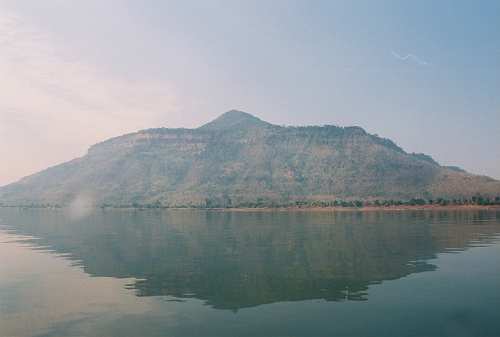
(233, 260)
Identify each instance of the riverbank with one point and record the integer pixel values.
(393, 208)
(365, 208)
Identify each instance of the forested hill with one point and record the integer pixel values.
(240, 160)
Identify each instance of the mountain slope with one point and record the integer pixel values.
(239, 159)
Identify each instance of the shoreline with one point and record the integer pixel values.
(364, 209)
(397, 208)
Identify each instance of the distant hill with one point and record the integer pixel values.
(237, 160)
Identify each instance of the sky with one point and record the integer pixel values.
(425, 74)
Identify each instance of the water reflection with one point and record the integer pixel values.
(233, 260)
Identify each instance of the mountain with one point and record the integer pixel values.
(237, 160)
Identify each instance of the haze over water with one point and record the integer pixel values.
(209, 273)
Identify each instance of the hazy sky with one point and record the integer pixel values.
(423, 73)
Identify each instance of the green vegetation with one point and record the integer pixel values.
(262, 203)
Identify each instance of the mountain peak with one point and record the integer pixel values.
(234, 119)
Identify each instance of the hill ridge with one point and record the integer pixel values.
(239, 159)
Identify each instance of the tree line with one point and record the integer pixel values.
(226, 202)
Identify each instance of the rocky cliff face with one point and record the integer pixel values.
(239, 159)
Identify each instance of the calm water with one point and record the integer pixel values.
(196, 273)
